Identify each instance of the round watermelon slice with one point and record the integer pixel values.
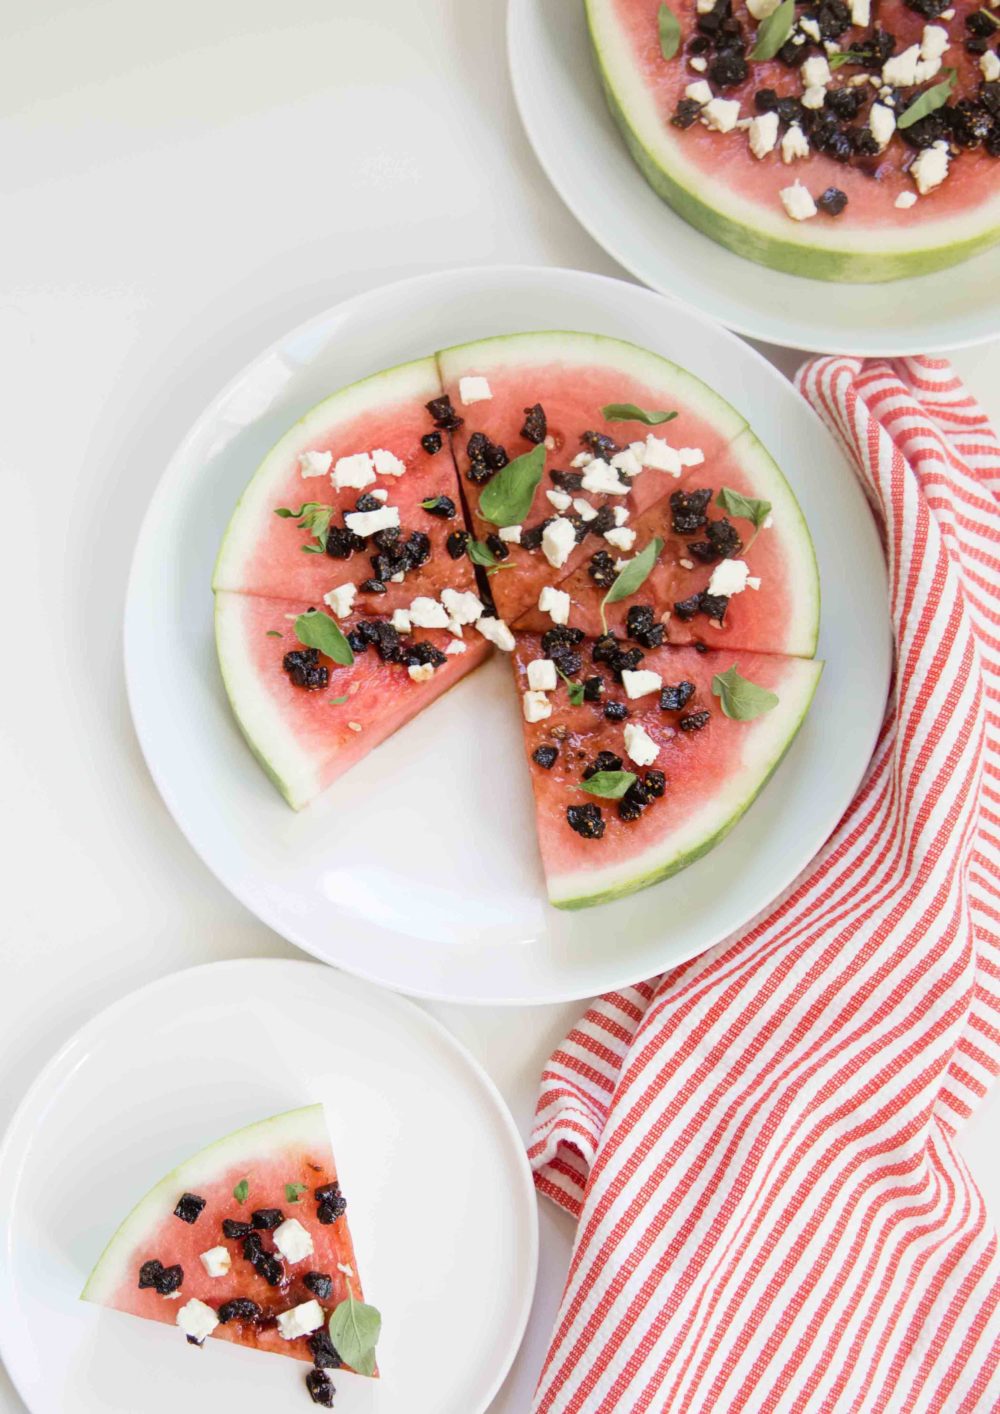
(712, 766)
(199, 1234)
(713, 179)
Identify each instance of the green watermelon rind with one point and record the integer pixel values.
(626, 880)
(828, 254)
(303, 1127)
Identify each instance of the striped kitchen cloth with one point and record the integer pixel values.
(759, 1146)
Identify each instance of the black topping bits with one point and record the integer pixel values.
(265, 1264)
(341, 543)
(535, 427)
(150, 1273)
(240, 1309)
(641, 625)
(567, 660)
(602, 569)
(567, 480)
(832, 201)
(399, 556)
(558, 635)
(544, 756)
(319, 1283)
(419, 654)
(331, 1202)
(368, 502)
(603, 521)
(498, 548)
(713, 606)
(608, 650)
(593, 689)
(844, 103)
(323, 1351)
(695, 721)
(586, 820)
(431, 443)
(265, 1219)
(457, 543)
(189, 1206)
(603, 761)
(656, 783)
(485, 458)
(321, 1391)
(442, 506)
(600, 445)
(687, 113)
(728, 69)
(305, 670)
(531, 538)
(165, 1280)
(676, 698)
(444, 415)
(372, 586)
(232, 1228)
(615, 711)
(687, 510)
(723, 542)
(634, 801)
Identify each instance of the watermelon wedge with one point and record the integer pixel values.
(233, 1240)
(701, 769)
(897, 210)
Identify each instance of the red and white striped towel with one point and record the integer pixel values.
(759, 1145)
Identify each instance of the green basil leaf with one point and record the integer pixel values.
(336, 701)
(354, 1329)
(293, 1191)
(635, 573)
(837, 61)
(609, 785)
(929, 101)
(743, 507)
(481, 554)
(313, 516)
(575, 689)
(507, 497)
(628, 412)
(318, 630)
(507, 565)
(741, 699)
(670, 40)
(773, 31)
(241, 1191)
(274, 633)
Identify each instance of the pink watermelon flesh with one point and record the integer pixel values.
(304, 739)
(872, 188)
(171, 1241)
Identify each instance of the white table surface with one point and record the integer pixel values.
(182, 183)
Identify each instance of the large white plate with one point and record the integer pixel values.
(418, 869)
(441, 1200)
(563, 109)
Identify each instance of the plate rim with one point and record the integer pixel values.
(53, 1071)
(517, 11)
(424, 283)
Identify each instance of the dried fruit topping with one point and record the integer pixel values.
(457, 543)
(656, 783)
(544, 756)
(319, 1283)
(600, 445)
(499, 549)
(608, 650)
(232, 1228)
(150, 1273)
(341, 543)
(367, 502)
(332, 1203)
(189, 1205)
(485, 458)
(676, 698)
(602, 569)
(305, 670)
(558, 636)
(593, 689)
(567, 480)
(833, 201)
(420, 653)
(643, 627)
(535, 427)
(321, 1391)
(431, 443)
(265, 1219)
(695, 721)
(442, 506)
(603, 761)
(723, 542)
(615, 711)
(586, 820)
(687, 509)
(165, 1280)
(444, 415)
(240, 1309)
(324, 1352)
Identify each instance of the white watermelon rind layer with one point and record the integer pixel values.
(303, 1128)
(772, 735)
(836, 251)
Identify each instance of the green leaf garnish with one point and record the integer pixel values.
(741, 699)
(293, 1191)
(632, 577)
(336, 701)
(241, 1190)
(774, 31)
(575, 689)
(846, 56)
(274, 633)
(609, 785)
(929, 101)
(481, 554)
(354, 1330)
(313, 516)
(628, 412)
(670, 37)
(318, 630)
(506, 499)
(743, 507)
(993, 19)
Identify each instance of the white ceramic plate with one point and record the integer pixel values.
(442, 1204)
(563, 109)
(418, 869)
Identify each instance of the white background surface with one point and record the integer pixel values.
(182, 183)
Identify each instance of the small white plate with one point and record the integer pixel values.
(442, 1205)
(419, 868)
(575, 139)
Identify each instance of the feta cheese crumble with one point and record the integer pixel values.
(931, 167)
(354, 472)
(387, 463)
(426, 612)
(216, 1261)
(882, 122)
(814, 97)
(555, 603)
(315, 463)
(401, 621)
(900, 71)
(794, 144)
(699, 92)
(861, 13)
(511, 534)
(659, 455)
(197, 1320)
(421, 672)
(731, 577)
(934, 42)
(542, 675)
(558, 541)
(640, 683)
(300, 1320)
(639, 745)
(559, 499)
(815, 70)
(760, 9)
(627, 462)
(293, 1241)
(621, 515)
(763, 134)
(602, 479)
(622, 538)
(474, 389)
(341, 599)
(368, 522)
(584, 509)
(797, 202)
(721, 114)
(989, 65)
(462, 605)
(456, 647)
(536, 706)
(497, 632)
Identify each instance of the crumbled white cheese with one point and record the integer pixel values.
(401, 621)
(474, 389)
(934, 42)
(640, 683)
(760, 9)
(731, 577)
(542, 675)
(698, 64)
(387, 463)
(426, 612)
(455, 628)
(927, 69)
(584, 509)
(497, 632)
(691, 456)
(511, 534)
(602, 479)
(949, 14)
(536, 706)
(559, 499)
(341, 599)
(627, 462)
(658, 454)
(582, 458)
(861, 13)
(811, 27)
(989, 65)
(815, 70)
(814, 96)
(379, 493)
(355, 471)
(301, 1320)
(197, 1320)
(558, 541)
(292, 1240)
(705, 7)
(457, 647)
(794, 144)
(931, 167)
(686, 564)
(368, 522)
(700, 92)
(797, 202)
(882, 122)
(555, 603)
(463, 606)
(421, 672)
(315, 463)
(397, 578)
(900, 71)
(550, 443)
(721, 114)
(216, 1261)
(621, 514)
(621, 537)
(639, 745)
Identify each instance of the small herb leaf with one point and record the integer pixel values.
(635, 573)
(929, 101)
(575, 689)
(293, 1191)
(609, 785)
(741, 699)
(670, 39)
(354, 1329)
(846, 56)
(481, 554)
(318, 630)
(743, 507)
(274, 633)
(507, 497)
(774, 31)
(628, 412)
(993, 19)
(336, 701)
(313, 516)
(242, 1190)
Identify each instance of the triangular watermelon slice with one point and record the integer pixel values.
(710, 767)
(230, 1242)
